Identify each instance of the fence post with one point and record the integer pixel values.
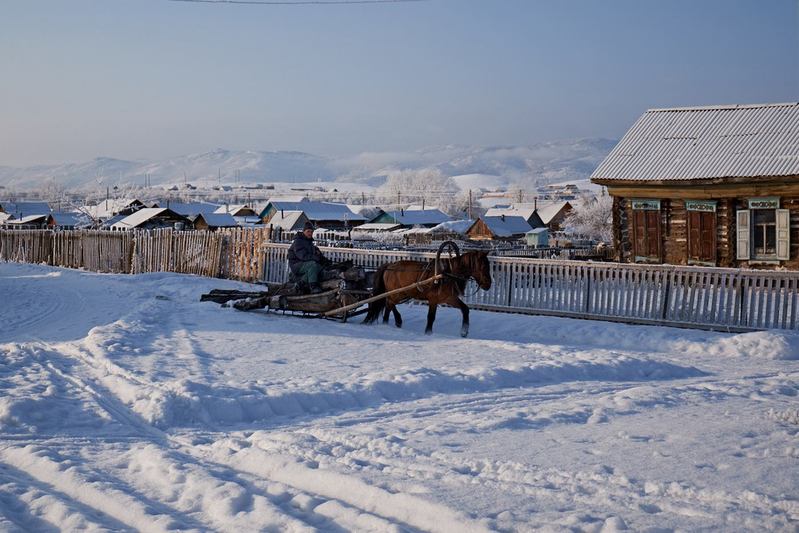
(589, 271)
(666, 291)
(510, 284)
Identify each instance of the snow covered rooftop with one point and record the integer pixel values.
(288, 220)
(191, 208)
(506, 226)
(453, 226)
(317, 211)
(378, 226)
(140, 217)
(413, 217)
(109, 208)
(524, 210)
(24, 209)
(217, 220)
(548, 211)
(707, 142)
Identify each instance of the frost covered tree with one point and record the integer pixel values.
(428, 185)
(591, 220)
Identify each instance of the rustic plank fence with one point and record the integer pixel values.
(708, 298)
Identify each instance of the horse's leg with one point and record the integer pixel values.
(431, 317)
(457, 302)
(386, 311)
(397, 316)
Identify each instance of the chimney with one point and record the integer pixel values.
(535, 203)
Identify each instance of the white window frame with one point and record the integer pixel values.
(745, 231)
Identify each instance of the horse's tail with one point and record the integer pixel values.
(375, 308)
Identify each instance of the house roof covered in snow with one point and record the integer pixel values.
(415, 217)
(109, 208)
(315, 211)
(30, 219)
(549, 211)
(506, 226)
(191, 208)
(525, 210)
(288, 220)
(235, 210)
(378, 226)
(70, 219)
(143, 215)
(217, 220)
(690, 143)
(24, 209)
(453, 226)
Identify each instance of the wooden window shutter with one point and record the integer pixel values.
(743, 230)
(783, 234)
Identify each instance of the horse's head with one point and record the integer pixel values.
(480, 269)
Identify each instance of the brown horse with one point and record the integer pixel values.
(457, 272)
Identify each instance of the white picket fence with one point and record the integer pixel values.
(707, 298)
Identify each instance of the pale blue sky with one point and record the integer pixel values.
(153, 78)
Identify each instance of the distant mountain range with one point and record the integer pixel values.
(528, 165)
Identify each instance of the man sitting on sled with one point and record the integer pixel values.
(306, 260)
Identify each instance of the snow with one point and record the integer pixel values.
(125, 403)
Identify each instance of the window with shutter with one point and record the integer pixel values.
(769, 230)
(743, 252)
(646, 230)
(701, 231)
(783, 234)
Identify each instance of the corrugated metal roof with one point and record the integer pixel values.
(707, 142)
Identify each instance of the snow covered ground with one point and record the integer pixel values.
(126, 404)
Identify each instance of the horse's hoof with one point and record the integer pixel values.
(428, 332)
(464, 332)
(399, 325)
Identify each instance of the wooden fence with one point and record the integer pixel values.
(235, 253)
(710, 298)
(701, 297)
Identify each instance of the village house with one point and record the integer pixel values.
(19, 210)
(190, 209)
(528, 211)
(288, 222)
(409, 218)
(715, 185)
(152, 218)
(44, 221)
(236, 210)
(326, 215)
(113, 207)
(213, 221)
(498, 228)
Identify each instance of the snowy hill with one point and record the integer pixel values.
(529, 165)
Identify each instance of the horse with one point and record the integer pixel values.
(457, 272)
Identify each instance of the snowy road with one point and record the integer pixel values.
(126, 404)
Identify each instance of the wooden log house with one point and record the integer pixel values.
(714, 186)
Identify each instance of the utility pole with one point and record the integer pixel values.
(470, 204)
(398, 199)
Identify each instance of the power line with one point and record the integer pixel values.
(297, 2)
